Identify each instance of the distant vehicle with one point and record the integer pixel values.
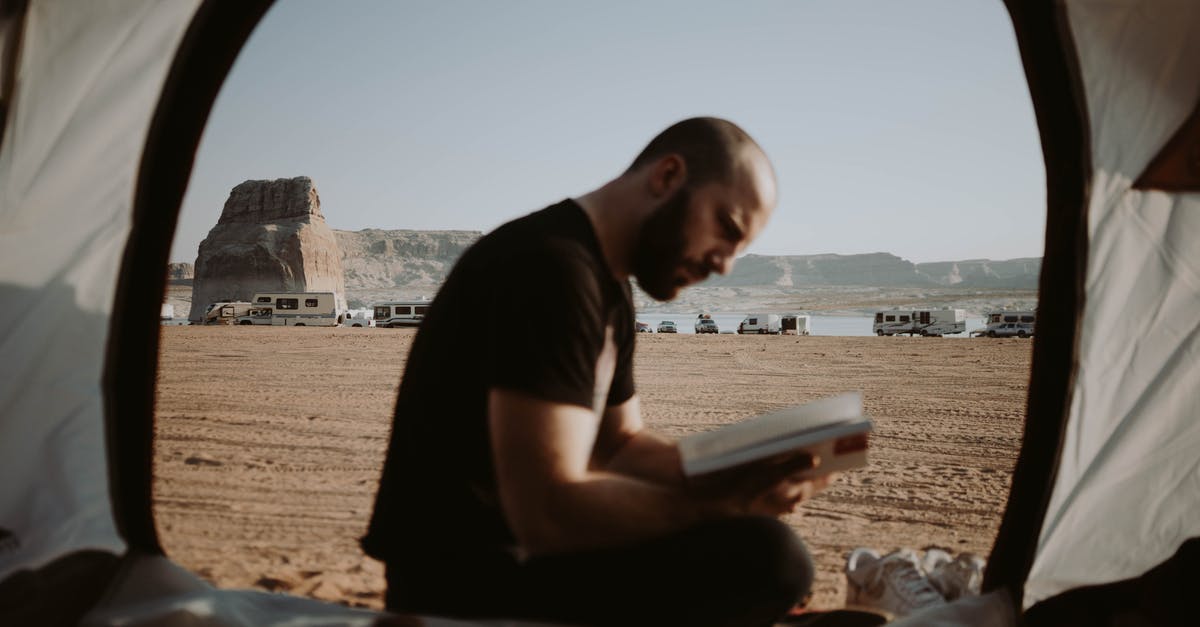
(408, 313)
(706, 325)
(939, 322)
(667, 326)
(362, 321)
(1005, 323)
(300, 309)
(257, 315)
(794, 324)
(642, 327)
(760, 323)
(892, 322)
(167, 312)
(225, 312)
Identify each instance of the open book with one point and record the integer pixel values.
(831, 428)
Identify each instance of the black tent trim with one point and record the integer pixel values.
(208, 50)
(212, 42)
(1051, 69)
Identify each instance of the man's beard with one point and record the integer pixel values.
(658, 252)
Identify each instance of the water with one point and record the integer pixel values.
(818, 325)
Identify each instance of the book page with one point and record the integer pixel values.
(772, 426)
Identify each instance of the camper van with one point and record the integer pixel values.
(794, 324)
(1009, 323)
(939, 322)
(300, 309)
(401, 314)
(760, 323)
(226, 312)
(893, 322)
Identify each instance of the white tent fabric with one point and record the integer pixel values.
(88, 80)
(1128, 487)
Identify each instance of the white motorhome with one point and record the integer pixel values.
(794, 324)
(760, 323)
(300, 309)
(226, 312)
(939, 322)
(401, 314)
(1009, 323)
(893, 322)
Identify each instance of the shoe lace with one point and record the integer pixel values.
(912, 585)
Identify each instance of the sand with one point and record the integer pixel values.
(269, 442)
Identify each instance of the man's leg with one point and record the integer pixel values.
(739, 571)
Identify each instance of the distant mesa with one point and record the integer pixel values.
(878, 270)
(271, 237)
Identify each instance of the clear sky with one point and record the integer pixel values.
(902, 127)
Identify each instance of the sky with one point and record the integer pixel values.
(901, 127)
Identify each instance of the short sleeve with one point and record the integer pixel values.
(545, 338)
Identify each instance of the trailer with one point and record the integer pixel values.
(794, 324)
(893, 322)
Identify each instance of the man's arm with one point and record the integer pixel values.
(626, 447)
(553, 497)
(556, 498)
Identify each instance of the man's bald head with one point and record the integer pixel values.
(712, 149)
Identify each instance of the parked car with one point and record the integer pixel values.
(706, 325)
(1012, 329)
(642, 327)
(667, 326)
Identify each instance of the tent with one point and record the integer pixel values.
(101, 108)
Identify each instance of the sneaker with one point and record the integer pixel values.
(893, 583)
(953, 577)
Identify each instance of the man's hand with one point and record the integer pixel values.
(771, 487)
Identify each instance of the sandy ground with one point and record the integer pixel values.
(270, 441)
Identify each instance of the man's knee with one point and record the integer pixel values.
(776, 557)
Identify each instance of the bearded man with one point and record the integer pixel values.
(520, 481)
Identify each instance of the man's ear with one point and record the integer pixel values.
(667, 175)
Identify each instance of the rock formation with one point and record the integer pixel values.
(879, 270)
(180, 271)
(271, 237)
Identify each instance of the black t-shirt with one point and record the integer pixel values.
(526, 308)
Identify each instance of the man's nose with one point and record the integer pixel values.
(719, 262)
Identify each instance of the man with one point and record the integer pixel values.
(520, 481)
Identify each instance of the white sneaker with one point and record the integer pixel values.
(893, 584)
(953, 577)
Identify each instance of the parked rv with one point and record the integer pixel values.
(760, 323)
(1006, 323)
(299, 309)
(226, 312)
(939, 322)
(794, 324)
(401, 314)
(893, 322)
(926, 322)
